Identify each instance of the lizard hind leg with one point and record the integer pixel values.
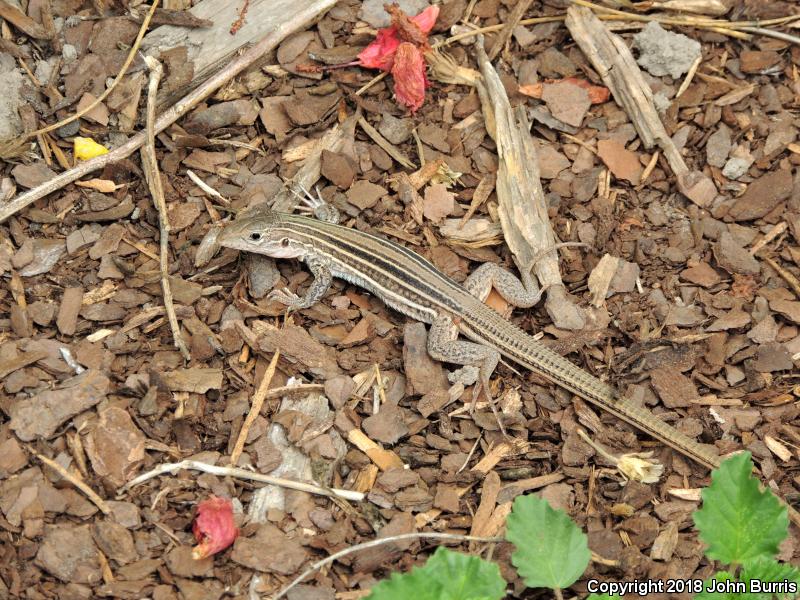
(444, 345)
(522, 293)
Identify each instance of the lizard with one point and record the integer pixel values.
(410, 284)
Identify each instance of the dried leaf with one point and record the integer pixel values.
(105, 186)
(597, 93)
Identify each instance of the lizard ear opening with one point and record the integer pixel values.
(255, 236)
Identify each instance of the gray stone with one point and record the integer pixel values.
(10, 101)
(736, 167)
(662, 52)
(395, 130)
(719, 146)
(373, 13)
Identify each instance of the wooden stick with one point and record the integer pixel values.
(128, 60)
(379, 542)
(153, 177)
(614, 62)
(255, 408)
(196, 465)
(82, 486)
(508, 27)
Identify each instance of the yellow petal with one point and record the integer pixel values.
(86, 148)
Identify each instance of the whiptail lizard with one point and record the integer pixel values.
(408, 283)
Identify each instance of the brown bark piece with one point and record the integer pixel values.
(491, 488)
(41, 415)
(675, 389)
(69, 309)
(115, 446)
(762, 196)
(424, 374)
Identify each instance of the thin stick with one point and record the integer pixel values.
(778, 35)
(293, 389)
(207, 188)
(728, 27)
(379, 542)
(153, 177)
(508, 27)
(82, 486)
(117, 79)
(387, 146)
(180, 108)
(774, 232)
(255, 408)
(793, 282)
(196, 465)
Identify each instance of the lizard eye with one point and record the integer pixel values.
(285, 242)
(255, 236)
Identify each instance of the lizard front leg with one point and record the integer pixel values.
(321, 210)
(322, 281)
(443, 345)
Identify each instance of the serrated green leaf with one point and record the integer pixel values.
(552, 551)
(447, 575)
(401, 586)
(739, 521)
(761, 570)
(767, 570)
(465, 577)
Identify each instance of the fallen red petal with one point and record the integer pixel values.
(409, 76)
(213, 527)
(427, 19)
(380, 54)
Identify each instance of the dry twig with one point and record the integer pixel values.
(237, 473)
(81, 485)
(508, 27)
(613, 61)
(153, 177)
(255, 408)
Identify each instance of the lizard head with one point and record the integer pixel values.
(262, 233)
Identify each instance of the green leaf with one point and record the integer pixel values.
(758, 571)
(447, 575)
(552, 551)
(739, 521)
(766, 570)
(602, 597)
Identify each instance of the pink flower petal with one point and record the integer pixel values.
(409, 76)
(380, 53)
(427, 18)
(213, 527)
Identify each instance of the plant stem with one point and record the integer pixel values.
(559, 595)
